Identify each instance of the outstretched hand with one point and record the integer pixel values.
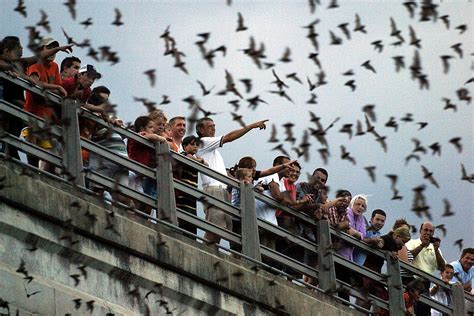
(259, 124)
(66, 48)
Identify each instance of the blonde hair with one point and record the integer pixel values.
(243, 172)
(359, 196)
(403, 232)
(158, 114)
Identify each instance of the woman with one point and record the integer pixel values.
(404, 254)
(357, 228)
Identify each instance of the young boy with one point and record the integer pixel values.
(143, 154)
(188, 175)
(44, 73)
(440, 294)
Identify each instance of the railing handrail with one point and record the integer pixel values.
(134, 166)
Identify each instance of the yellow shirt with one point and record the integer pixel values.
(426, 258)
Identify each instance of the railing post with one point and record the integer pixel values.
(327, 272)
(166, 204)
(395, 288)
(71, 150)
(458, 302)
(248, 214)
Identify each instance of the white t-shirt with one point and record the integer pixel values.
(208, 151)
(265, 211)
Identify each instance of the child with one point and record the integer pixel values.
(412, 295)
(188, 175)
(440, 294)
(143, 154)
(244, 175)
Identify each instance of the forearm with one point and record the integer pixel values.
(271, 170)
(417, 250)
(439, 260)
(236, 134)
(434, 289)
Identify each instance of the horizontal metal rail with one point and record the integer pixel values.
(110, 184)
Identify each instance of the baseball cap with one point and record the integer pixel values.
(46, 41)
(90, 70)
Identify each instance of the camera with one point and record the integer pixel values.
(434, 239)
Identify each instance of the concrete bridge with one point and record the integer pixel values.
(85, 257)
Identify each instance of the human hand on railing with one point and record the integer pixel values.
(61, 91)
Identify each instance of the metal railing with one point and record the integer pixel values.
(324, 272)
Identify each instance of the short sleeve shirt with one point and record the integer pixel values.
(460, 275)
(210, 153)
(426, 258)
(264, 211)
(48, 74)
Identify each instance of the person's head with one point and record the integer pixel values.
(358, 204)
(323, 194)
(205, 127)
(415, 288)
(48, 43)
(467, 258)
(447, 273)
(178, 127)
(280, 160)
(249, 163)
(401, 235)
(426, 231)
(344, 198)
(11, 49)
(378, 219)
(87, 75)
(70, 66)
(191, 144)
(143, 124)
(159, 118)
(321, 175)
(294, 172)
(400, 222)
(244, 175)
(99, 95)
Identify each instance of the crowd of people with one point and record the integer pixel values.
(345, 211)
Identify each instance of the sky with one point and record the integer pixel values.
(280, 24)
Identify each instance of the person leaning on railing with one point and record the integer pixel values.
(12, 62)
(404, 254)
(144, 154)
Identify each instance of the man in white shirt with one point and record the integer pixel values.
(208, 150)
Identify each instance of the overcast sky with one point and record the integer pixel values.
(278, 24)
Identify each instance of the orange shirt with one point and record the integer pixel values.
(48, 74)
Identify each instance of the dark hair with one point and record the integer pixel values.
(447, 265)
(399, 223)
(467, 251)
(141, 122)
(9, 42)
(200, 124)
(416, 285)
(343, 193)
(279, 160)
(95, 98)
(68, 61)
(323, 171)
(378, 211)
(189, 140)
(246, 162)
(296, 164)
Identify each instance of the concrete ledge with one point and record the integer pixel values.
(124, 252)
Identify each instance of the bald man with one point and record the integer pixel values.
(427, 257)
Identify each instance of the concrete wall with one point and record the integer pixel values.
(133, 267)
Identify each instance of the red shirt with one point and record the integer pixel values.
(70, 85)
(34, 103)
(141, 153)
(291, 188)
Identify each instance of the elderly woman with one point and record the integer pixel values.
(355, 217)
